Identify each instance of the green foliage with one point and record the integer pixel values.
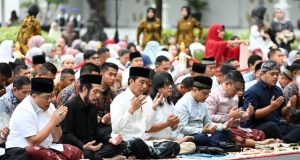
(11, 33)
(27, 4)
(198, 5)
(57, 1)
(294, 45)
(244, 35)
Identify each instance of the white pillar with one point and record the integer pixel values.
(165, 15)
(2, 13)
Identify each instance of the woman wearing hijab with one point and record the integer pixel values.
(146, 60)
(293, 55)
(282, 29)
(186, 27)
(122, 44)
(258, 30)
(50, 52)
(69, 33)
(29, 27)
(151, 50)
(150, 27)
(6, 51)
(92, 45)
(32, 52)
(63, 45)
(75, 42)
(54, 32)
(36, 41)
(216, 47)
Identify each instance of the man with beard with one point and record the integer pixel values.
(83, 132)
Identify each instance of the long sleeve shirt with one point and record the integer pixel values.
(193, 116)
(80, 125)
(130, 125)
(8, 104)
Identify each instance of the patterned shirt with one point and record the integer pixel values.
(57, 88)
(8, 103)
(289, 91)
(66, 93)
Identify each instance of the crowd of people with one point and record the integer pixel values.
(77, 100)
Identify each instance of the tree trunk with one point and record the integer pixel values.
(158, 12)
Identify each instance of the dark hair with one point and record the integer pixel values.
(234, 76)
(234, 37)
(18, 69)
(105, 66)
(20, 81)
(5, 70)
(151, 73)
(123, 52)
(66, 71)
(272, 53)
(88, 68)
(160, 59)
(229, 60)
(35, 92)
(187, 82)
(165, 49)
(253, 58)
(295, 66)
(88, 54)
(102, 50)
(88, 86)
(131, 45)
(159, 81)
(46, 67)
(133, 78)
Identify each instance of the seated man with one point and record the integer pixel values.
(210, 63)
(224, 69)
(222, 105)
(67, 62)
(132, 116)
(285, 78)
(269, 104)
(162, 64)
(47, 70)
(35, 125)
(37, 62)
(194, 117)
(5, 74)
(253, 60)
(198, 69)
(166, 121)
(276, 55)
(83, 132)
(136, 60)
(233, 62)
(8, 103)
(67, 77)
(256, 72)
(178, 90)
(19, 70)
(72, 90)
(149, 84)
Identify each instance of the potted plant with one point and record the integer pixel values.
(197, 7)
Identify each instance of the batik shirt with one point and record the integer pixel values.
(289, 91)
(8, 104)
(66, 93)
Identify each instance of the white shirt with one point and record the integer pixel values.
(78, 18)
(65, 16)
(256, 41)
(77, 74)
(121, 66)
(215, 84)
(181, 78)
(27, 120)
(163, 112)
(130, 125)
(125, 76)
(249, 84)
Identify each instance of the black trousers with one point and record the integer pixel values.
(15, 154)
(105, 128)
(106, 151)
(289, 135)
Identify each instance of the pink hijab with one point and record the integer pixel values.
(75, 42)
(122, 44)
(36, 41)
(60, 42)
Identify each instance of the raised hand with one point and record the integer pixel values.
(249, 110)
(174, 127)
(292, 102)
(89, 146)
(5, 132)
(173, 120)
(157, 100)
(276, 103)
(227, 124)
(137, 103)
(116, 140)
(207, 130)
(56, 118)
(235, 113)
(106, 119)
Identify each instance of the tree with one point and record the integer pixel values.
(45, 12)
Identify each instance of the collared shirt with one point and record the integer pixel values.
(215, 84)
(260, 95)
(219, 105)
(289, 91)
(28, 119)
(248, 77)
(129, 125)
(8, 104)
(193, 116)
(175, 94)
(163, 112)
(80, 125)
(66, 93)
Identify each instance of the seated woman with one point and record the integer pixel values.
(166, 121)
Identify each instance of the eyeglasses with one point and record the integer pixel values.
(95, 58)
(237, 90)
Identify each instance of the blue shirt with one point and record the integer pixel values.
(8, 104)
(248, 77)
(260, 95)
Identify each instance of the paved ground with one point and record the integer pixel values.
(283, 157)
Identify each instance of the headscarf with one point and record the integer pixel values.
(32, 52)
(114, 47)
(113, 54)
(257, 16)
(110, 41)
(146, 59)
(5, 51)
(153, 18)
(188, 9)
(81, 47)
(69, 27)
(36, 41)
(73, 52)
(33, 10)
(122, 44)
(47, 47)
(284, 19)
(196, 46)
(75, 42)
(78, 59)
(292, 54)
(92, 45)
(55, 34)
(150, 50)
(60, 42)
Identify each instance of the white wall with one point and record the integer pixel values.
(10, 5)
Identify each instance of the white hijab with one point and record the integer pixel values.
(32, 52)
(5, 51)
(284, 19)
